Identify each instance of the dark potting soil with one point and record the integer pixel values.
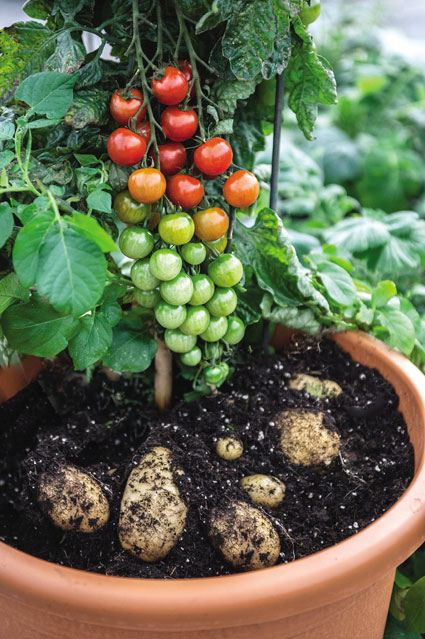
(105, 426)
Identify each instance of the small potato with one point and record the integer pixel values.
(314, 386)
(153, 513)
(229, 448)
(264, 490)
(305, 439)
(73, 500)
(245, 536)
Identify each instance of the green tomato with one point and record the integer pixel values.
(176, 228)
(142, 277)
(309, 14)
(136, 242)
(235, 330)
(170, 316)
(192, 357)
(224, 366)
(213, 351)
(213, 375)
(130, 211)
(147, 299)
(178, 342)
(226, 270)
(217, 246)
(223, 302)
(194, 253)
(203, 289)
(165, 264)
(216, 329)
(178, 290)
(196, 321)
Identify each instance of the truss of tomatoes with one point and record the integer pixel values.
(180, 270)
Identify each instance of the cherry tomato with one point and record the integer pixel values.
(185, 191)
(192, 357)
(223, 302)
(196, 321)
(172, 157)
(235, 330)
(216, 329)
(241, 189)
(203, 289)
(177, 291)
(211, 224)
(126, 147)
(144, 129)
(213, 375)
(165, 264)
(186, 68)
(170, 316)
(226, 270)
(178, 341)
(154, 220)
(142, 277)
(147, 299)
(147, 185)
(179, 125)
(218, 246)
(194, 253)
(128, 210)
(176, 228)
(123, 109)
(172, 88)
(310, 13)
(136, 242)
(214, 156)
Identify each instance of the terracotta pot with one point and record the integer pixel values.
(14, 378)
(342, 592)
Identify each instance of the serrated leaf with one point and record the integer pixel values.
(100, 200)
(338, 283)
(90, 106)
(90, 228)
(28, 243)
(47, 93)
(36, 328)
(68, 55)
(131, 350)
(6, 222)
(11, 291)
(91, 342)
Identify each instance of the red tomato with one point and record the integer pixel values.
(122, 110)
(126, 147)
(241, 189)
(214, 156)
(144, 129)
(172, 157)
(186, 68)
(211, 224)
(172, 88)
(146, 185)
(179, 125)
(185, 191)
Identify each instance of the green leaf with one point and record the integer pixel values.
(247, 138)
(38, 9)
(397, 630)
(42, 123)
(297, 318)
(221, 10)
(36, 328)
(400, 329)
(414, 606)
(68, 55)
(228, 92)
(401, 580)
(90, 228)
(7, 130)
(86, 159)
(91, 342)
(100, 200)
(28, 243)
(131, 350)
(47, 93)
(6, 222)
(118, 176)
(11, 291)
(382, 293)
(338, 283)
(90, 106)
(358, 234)
(111, 311)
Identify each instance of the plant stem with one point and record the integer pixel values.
(163, 383)
(24, 165)
(232, 219)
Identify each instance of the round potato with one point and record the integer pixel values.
(153, 513)
(264, 490)
(305, 439)
(314, 386)
(229, 448)
(72, 500)
(244, 535)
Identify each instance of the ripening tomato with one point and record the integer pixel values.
(241, 189)
(218, 246)
(172, 157)
(211, 224)
(185, 191)
(176, 228)
(126, 147)
(172, 88)
(147, 185)
(179, 125)
(128, 210)
(214, 156)
(144, 129)
(123, 109)
(186, 68)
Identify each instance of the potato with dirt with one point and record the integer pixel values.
(305, 439)
(264, 490)
(229, 447)
(153, 513)
(314, 386)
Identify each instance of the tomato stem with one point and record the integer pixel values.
(232, 219)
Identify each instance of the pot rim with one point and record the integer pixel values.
(330, 575)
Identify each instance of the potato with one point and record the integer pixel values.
(229, 448)
(153, 513)
(265, 490)
(73, 500)
(314, 386)
(244, 535)
(305, 439)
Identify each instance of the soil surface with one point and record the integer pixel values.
(105, 426)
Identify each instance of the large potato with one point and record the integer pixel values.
(305, 439)
(73, 500)
(264, 490)
(153, 513)
(314, 386)
(244, 535)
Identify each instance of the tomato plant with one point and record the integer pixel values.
(185, 191)
(126, 147)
